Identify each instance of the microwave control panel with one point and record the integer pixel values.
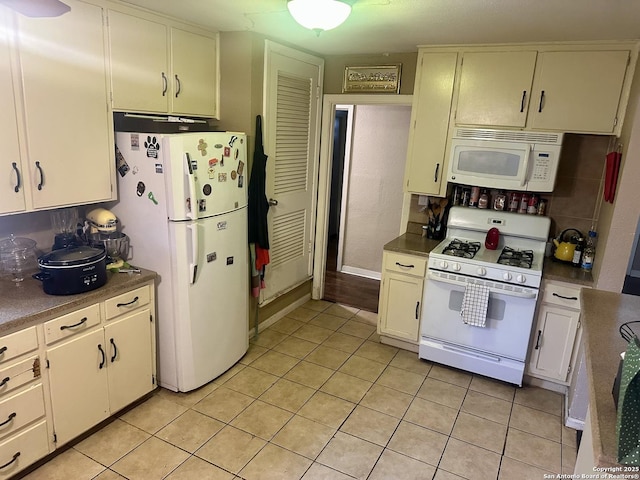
(541, 166)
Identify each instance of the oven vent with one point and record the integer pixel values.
(552, 138)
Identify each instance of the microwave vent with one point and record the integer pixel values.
(551, 138)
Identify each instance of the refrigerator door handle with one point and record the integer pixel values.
(193, 264)
(192, 212)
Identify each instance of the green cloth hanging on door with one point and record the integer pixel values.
(628, 422)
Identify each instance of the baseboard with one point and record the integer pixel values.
(280, 314)
(574, 423)
(361, 272)
(394, 342)
(546, 384)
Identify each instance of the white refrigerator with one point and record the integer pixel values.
(183, 204)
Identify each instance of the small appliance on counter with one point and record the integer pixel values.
(566, 248)
(65, 225)
(101, 231)
(17, 257)
(72, 270)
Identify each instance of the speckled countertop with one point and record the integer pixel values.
(415, 244)
(602, 314)
(26, 304)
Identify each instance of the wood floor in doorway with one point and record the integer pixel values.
(347, 289)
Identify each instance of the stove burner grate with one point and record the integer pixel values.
(460, 248)
(516, 258)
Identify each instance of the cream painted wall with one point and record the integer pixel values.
(617, 223)
(375, 195)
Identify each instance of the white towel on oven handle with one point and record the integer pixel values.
(475, 304)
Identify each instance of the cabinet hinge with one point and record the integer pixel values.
(569, 370)
(615, 121)
(47, 363)
(317, 91)
(309, 247)
(151, 318)
(153, 379)
(55, 438)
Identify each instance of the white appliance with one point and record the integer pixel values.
(512, 273)
(505, 159)
(183, 204)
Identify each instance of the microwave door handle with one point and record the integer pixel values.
(525, 167)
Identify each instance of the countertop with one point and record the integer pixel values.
(415, 244)
(26, 304)
(602, 314)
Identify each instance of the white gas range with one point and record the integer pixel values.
(509, 277)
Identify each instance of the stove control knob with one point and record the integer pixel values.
(506, 276)
(482, 271)
(456, 267)
(444, 265)
(521, 278)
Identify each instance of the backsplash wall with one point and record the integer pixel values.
(574, 203)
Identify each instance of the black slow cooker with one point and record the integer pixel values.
(72, 270)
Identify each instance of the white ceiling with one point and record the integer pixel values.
(392, 26)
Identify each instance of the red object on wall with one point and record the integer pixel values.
(611, 175)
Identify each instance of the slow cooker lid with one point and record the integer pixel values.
(69, 256)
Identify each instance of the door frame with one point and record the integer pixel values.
(329, 104)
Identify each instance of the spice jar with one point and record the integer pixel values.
(532, 206)
(466, 196)
(483, 201)
(475, 197)
(500, 201)
(542, 206)
(514, 201)
(524, 203)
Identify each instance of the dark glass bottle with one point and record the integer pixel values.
(577, 253)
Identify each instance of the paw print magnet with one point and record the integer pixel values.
(152, 146)
(202, 147)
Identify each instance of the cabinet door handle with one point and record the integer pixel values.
(4, 381)
(15, 169)
(566, 298)
(417, 308)
(3, 349)
(115, 350)
(104, 358)
(165, 84)
(178, 86)
(9, 418)
(541, 101)
(405, 266)
(524, 96)
(435, 175)
(41, 183)
(135, 299)
(81, 322)
(538, 340)
(15, 457)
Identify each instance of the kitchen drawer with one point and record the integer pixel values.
(408, 264)
(126, 302)
(22, 450)
(21, 409)
(19, 374)
(16, 344)
(72, 323)
(562, 295)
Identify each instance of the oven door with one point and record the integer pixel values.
(509, 317)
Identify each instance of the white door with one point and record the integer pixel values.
(293, 87)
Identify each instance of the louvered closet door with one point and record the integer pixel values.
(291, 130)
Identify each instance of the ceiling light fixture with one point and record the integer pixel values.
(319, 15)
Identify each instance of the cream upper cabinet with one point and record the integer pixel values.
(139, 64)
(578, 91)
(170, 70)
(68, 125)
(12, 174)
(495, 88)
(194, 74)
(432, 99)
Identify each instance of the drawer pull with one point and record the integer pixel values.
(16, 189)
(104, 358)
(9, 418)
(524, 96)
(538, 340)
(3, 349)
(4, 381)
(405, 266)
(135, 299)
(15, 457)
(563, 297)
(115, 350)
(417, 309)
(81, 322)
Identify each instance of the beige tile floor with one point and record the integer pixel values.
(318, 397)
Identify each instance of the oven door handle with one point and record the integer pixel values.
(435, 278)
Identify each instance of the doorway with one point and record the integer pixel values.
(360, 194)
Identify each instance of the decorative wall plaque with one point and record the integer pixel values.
(378, 79)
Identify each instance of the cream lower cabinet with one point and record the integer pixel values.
(426, 161)
(556, 337)
(97, 369)
(400, 303)
(24, 434)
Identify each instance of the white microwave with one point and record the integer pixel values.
(505, 159)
